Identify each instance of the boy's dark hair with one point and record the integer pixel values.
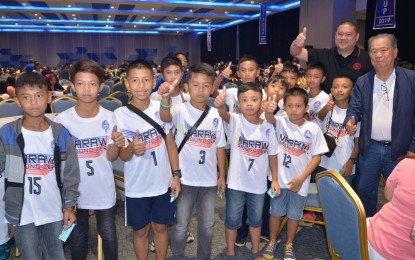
(170, 61)
(247, 57)
(139, 64)
(3, 87)
(289, 67)
(277, 79)
(201, 68)
(11, 80)
(89, 66)
(255, 86)
(180, 53)
(296, 92)
(33, 79)
(341, 76)
(316, 66)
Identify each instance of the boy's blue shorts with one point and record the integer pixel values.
(288, 203)
(235, 201)
(142, 211)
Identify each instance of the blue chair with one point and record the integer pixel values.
(121, 96)
(119, 87)
(9, 107)
(109, 83)
(104, 92)
(344, 215)
(62, 103)
(110, 103)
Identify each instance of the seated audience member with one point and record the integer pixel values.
(10, 85)
(3, 89)
(391, 231)
(53, 83)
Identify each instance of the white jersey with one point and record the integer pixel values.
(198, 157)
(315, 104)
(4, 234)
(297, 146)
(92, 137)
(181, 98)
(251, 146)
(334, 124)
(148, 175)
(42, 199)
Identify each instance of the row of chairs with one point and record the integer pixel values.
(111, 102)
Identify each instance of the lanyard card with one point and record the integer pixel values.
(65, 233)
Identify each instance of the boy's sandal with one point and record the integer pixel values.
(256, 255)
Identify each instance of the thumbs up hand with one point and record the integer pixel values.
(221, 98)
(301, 38)
(351, 127)
(272, 104)
(227, 72)
(278, 68)
(166, 88)
(138, 147)
(117, 137)
(330, 103)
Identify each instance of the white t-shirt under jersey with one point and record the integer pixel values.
(42, 199)
(4, 234)
(296, 147)
(198, 157)
(342, 153)
(315, 104)
(92, 137)
(251, 146)
(181, 98)
(148, 175)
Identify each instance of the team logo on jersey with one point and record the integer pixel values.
(39, 164)
(105, 125)
(235, 108)
(215, 122)
(357, 66)
(90, 147)
(252, 147)
(292, 147)
(335, 128)
(199, 137)
(307, 134)
(151, 137)
(317, 104)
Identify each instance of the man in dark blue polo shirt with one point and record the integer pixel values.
(344, 59)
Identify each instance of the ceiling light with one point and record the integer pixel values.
(171, 21)
(252, 2)
(187, 27)
(226, 12)
(175, 18)
(152, 9)
(69, 5)
(177, 31)
(35, 14)
(40, 17)
(16, 23)
(200, 22)
(112, 7)
(47, 24)
(144, 17)
(74, 18)
(106, 25)
(207, 20)
(141, 20)
(23, 4)
(135, 26)
(3, 17)
(161, 27)
(109, 15)
(190, 10)
(77, 25)
(108, 19)
(73, 14)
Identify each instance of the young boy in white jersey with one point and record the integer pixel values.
(199, 158)
(317, 98)
(300, 145)
(151, 169)
(172, 72)
(97, 144)
(248, 71)
(253, 152)
(332, 116)
(5, 229)
(41, 170)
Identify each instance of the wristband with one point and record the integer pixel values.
(177, 173)
(354, 160)
(163, 106)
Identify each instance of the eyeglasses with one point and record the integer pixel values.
(385, 92)
(373, 52)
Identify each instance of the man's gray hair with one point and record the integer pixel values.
(391, 37)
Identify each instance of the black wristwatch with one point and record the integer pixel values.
(354, 160)
(177, 173)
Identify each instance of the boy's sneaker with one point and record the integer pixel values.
(240, 241)
(190, 237)
(152, 247)
(269, 250)
(289, 252)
